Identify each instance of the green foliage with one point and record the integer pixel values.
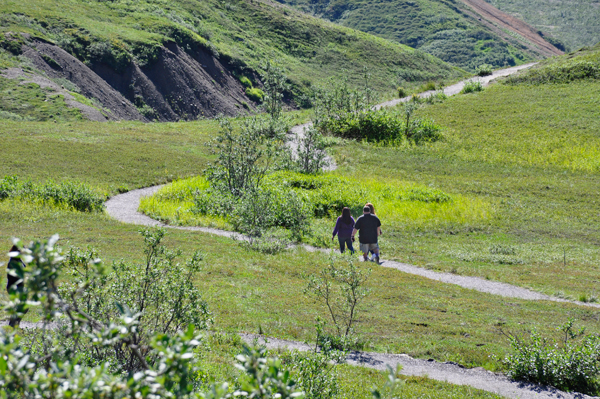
(440, 28)
(255, 94)
(311, 156)
(559, 72)
(484, 70)
(570, 25)
(245, 81)
(340, 288)
(568, 364)
(344, 112)
(166, 359)
(25, 100)
(316, 372)
(402, 92)
(75, 195)
(244, 157)
(472, 86)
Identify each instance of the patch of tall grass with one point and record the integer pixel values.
(399, 203)
(77, 196)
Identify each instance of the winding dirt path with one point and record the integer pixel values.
(124, 207)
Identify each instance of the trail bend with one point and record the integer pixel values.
(124, 208)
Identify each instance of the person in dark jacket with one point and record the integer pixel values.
(343, 228)
(369, 227)
(14, 285)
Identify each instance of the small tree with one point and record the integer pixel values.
(243, 157)
(274, 87)
(340, 287)
(311, 154)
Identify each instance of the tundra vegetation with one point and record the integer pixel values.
(506, 195)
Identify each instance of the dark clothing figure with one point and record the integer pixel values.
(344, 226)
(367, 225)
(13, 284)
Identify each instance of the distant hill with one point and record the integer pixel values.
(181, 59)
(464, 33)
(572, 24)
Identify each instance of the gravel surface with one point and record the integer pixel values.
(123, 207)
(449, 372)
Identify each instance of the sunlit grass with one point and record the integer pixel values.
(398, 203)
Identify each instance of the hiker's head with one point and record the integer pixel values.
(366, 210)
(346, 217)
(371, 207)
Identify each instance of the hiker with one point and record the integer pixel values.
(343, 228)
(15, 284)
(372, 213)
(369, 227)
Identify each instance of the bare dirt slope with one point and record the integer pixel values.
(179, 86)
(501, 22)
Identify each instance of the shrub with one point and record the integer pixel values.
(567, 365)
(245, 81)
(340, 288)
(75, 195)
(402, 92)
(483, 70)
(311, 156)
(57, 368)
(472, 86)
(428, 86)
(255, 94)
(560, 72)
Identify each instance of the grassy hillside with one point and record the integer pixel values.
(128, 43)
(446, 29)
(574, 23)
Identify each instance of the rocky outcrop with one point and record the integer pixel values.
(178, 86)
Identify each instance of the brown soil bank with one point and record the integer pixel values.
(178, 86)
(500, 21)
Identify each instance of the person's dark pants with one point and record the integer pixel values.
(345, 241)
(12, 287)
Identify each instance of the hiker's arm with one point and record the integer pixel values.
(379, 230)
(354, 231)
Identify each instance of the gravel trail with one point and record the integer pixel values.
(124, 207)
(449, 372)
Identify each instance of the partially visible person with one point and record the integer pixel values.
(14, 284)
(369, 227)
(343, 228)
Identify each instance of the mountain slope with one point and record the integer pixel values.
(575, 23)
(185, 59)
(457, 32)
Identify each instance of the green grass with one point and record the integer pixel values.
(529, 151)
(574, 23)
(402, 204)
(28, 101)
(440, 28)
(242, 33)
(403, 314)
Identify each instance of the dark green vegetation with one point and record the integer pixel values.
(571, 362)
(579, 65)
(446, 29)
(76, 196)
(226, 43)
(571, 24)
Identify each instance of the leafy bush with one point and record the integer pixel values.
(245, 81)
(340, 289)
(255, 94)
(402, 92)
(567, 365)
(483, 70)
(310, 155)
(60, 365)
(472, 86)
(75, 195)
(430, 85)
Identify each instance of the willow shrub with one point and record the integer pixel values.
(75, 195)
